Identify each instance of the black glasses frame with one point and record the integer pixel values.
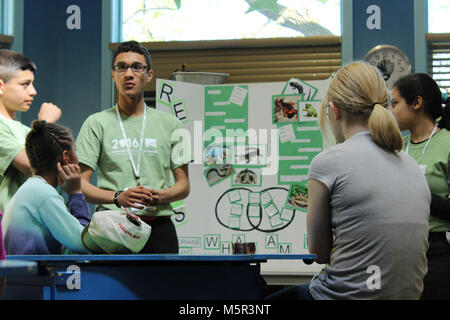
(135, 67)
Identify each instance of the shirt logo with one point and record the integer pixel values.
(150, 143)
(119, 146)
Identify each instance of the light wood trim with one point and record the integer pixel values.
(249, 65)
(5, 39)
(277, 78)
(249, 60)
(438, 37)
(239, 43)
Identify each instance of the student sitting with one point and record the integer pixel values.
(36, 220)
(369, 202)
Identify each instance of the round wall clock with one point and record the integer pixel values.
(391, 61)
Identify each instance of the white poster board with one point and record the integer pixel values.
(252, 145)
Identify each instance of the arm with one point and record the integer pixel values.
(320, 237)
(91, 192)
(49, 112)
(440, 207)
(69, 177)
(22, 163)
(64, 227)
(79, 208)
(12, 150)
(97, 195)
(180, 190)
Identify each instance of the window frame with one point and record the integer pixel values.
(6, 23)
(118, 26)
(439, 43)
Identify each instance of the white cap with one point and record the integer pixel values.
(113, 231)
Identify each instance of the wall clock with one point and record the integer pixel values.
(391, 61)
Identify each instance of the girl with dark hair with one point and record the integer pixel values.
(418, 103)
(36, 220)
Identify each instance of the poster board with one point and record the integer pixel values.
(252, 145)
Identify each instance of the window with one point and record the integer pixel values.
(439, 42)
(439, 59)
(1, 16)
(438, 16)
(6, 12)
(5, 24)
(190, 20)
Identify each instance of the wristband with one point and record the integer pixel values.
(116, 198)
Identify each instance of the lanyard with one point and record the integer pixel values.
(426, 146)
(135, 168)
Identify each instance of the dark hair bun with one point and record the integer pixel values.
(39, 127)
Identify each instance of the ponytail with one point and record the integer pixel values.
(384, 129)
(359, 90)
(444, 123)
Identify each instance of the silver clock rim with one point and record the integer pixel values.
(389, 46)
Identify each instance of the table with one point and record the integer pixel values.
(144, 276)
(17, 268)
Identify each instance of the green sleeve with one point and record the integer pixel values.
(89, 142)
(9, 148)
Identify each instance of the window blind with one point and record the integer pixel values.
(439, 59)
(249, 60)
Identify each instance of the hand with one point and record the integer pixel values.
(156, 195)
(49, 112)
(69, 178)
(136, 197)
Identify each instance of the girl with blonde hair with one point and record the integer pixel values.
(368, 207)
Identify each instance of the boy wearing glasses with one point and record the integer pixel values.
(132, 147)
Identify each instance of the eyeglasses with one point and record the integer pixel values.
(135, 67)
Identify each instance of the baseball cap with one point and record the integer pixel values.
(113, 231)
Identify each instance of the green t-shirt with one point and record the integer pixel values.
(100, 144)
(12, 141)
(437, 162)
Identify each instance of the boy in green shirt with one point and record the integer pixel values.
(133, 149)
(16, 94)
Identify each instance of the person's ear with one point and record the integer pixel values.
(149, 75)
(418, 103)
(336, 110)
(65, 158)
(2, 86)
